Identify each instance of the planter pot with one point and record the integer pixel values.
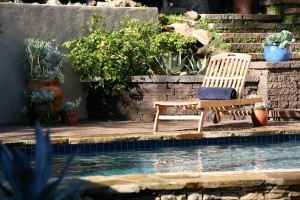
(259, 117)
(273, 53)
(53, 85)
(70, 118)
(245, 6)
(41, 112)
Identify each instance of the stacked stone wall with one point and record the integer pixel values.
(137, 103)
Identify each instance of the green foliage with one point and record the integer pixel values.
(289, 19)
(197, 65)
(274, 9)
(42, 60)
(31, 183)
(172, 63)
(113, 56)
(169, 19)
(282, 39)
(70, 106)
(43, 97)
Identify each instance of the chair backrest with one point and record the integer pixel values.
(228, 70)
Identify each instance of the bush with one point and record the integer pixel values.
(113, 56)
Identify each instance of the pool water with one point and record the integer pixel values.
(184, 159)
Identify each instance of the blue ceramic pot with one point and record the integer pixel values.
(273, 53)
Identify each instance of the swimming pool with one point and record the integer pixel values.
(185, 159)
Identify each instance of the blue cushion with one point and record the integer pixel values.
(217, 93)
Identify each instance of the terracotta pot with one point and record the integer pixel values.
(70, 118)
(52, 85)
(245, 6)
(259, 117)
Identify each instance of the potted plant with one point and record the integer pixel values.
(70, 112)
(277, 46)
(39, 105)
(259, 114)
(43, 68)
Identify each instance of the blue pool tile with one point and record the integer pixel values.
(159, 144)
(292, 138)
(119, 145)
(221, 141)
(94, 147)
(171, 143)
(106, 147)
(166, 144)
(298, 137)
(130, 145)
(231, 140)
(177, 143)
(193, 142)
(281, 138)
(226, 140)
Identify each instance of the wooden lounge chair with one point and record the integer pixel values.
(224, 70)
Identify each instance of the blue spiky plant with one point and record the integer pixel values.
(32, 183)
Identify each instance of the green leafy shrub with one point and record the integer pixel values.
(113, 56)
(27, 182)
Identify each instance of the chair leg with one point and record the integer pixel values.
(156, 120)
(202, 118)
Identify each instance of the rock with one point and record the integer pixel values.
(253, 196)
(192, 14)
(181, 28)
(53, 2)
(18, 1)
(118, 3)
(194, 196)
(201, 35)
(168, 197)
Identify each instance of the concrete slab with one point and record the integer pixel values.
(93, 131)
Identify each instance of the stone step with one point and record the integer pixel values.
(260, 56)
(276, 2)
(252, 27)
(248, 17)
(250, 36)
(274, 65)
(251, 47)
(292, 11)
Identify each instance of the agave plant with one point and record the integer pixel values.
(172, 64)
(28, 183)
(198, 66)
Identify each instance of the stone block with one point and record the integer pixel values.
(253, 196)
(178, 85)
(186, 92)
(155, 98)
(168, 197)
(154, 86)
(194, 196)
(294, 104)
(275, 195)
(154, 92)
(179, 97)
(273, 85)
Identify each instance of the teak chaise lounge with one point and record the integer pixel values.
(227, 70)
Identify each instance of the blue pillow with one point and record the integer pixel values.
(217, 93)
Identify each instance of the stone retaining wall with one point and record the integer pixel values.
(279, 82)
(137, 103)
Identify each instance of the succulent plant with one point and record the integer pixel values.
(28, 183)
(70, 106)
(282, 39)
